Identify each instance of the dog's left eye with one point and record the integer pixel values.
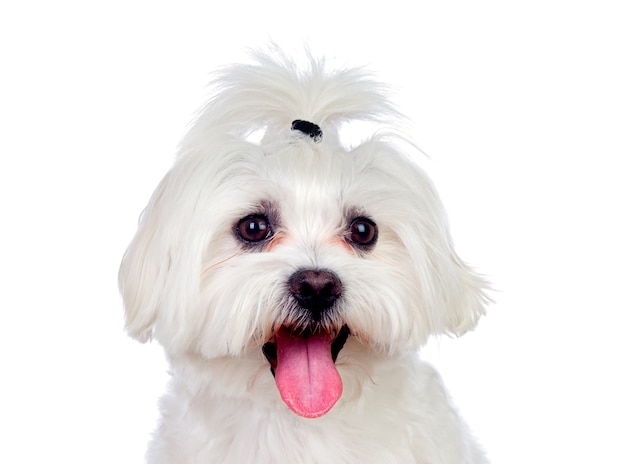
(363, 232)
(254, 228)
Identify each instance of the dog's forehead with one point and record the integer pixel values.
(301, 180)
(326, 178)
(303, 169)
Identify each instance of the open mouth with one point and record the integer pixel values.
(303, 365)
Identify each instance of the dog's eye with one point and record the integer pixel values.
(254, 228)
(363, 232)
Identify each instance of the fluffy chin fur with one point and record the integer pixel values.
(213, 300)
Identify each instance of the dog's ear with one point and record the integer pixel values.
(448, 294)
(142, 277)
(139, 278)
(455, 291)
(464, 294)
(453, 296)
(155, 274)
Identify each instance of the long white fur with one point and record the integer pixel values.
(187, 281)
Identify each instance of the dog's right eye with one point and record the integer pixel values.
(363, 232)
(254, 228)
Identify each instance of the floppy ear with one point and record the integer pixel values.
(453, 295)
(143, 272)
(159, 277)
(450, 296)
(160, 268)
(464, 295)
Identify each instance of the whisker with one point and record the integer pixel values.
(218, 263)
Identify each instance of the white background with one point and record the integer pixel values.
(521, 107)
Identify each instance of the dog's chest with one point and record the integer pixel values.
(336, 440)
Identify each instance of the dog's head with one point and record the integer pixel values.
(290, 245)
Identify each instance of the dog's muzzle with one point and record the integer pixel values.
(302, 357)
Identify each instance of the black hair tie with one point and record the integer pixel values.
(308, 128)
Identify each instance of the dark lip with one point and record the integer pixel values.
(269, 348)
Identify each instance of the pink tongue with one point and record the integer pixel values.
(306, 376)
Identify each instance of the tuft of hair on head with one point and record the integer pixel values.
(270, 93)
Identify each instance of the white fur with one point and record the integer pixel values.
(188, 282)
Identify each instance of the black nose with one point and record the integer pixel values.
(315, 290)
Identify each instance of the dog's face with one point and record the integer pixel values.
(283, 249)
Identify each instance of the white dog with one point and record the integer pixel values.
(292, 280)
